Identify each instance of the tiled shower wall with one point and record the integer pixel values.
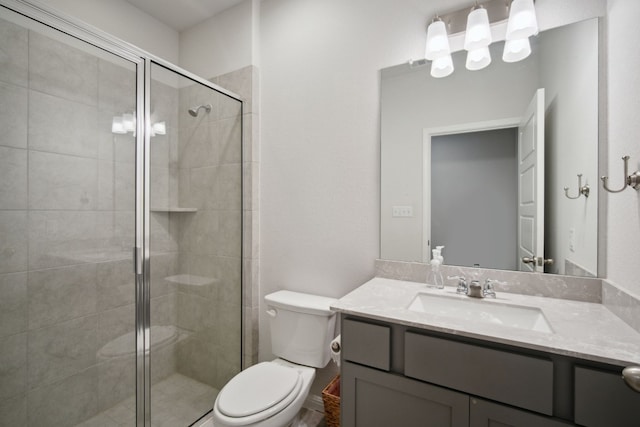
(210, 180)
(210, 174)
(245, 83)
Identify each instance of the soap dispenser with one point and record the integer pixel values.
(435, 279)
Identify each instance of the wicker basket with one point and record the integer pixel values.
(331, 399)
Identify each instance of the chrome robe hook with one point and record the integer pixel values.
(581, 189)
(632, 180)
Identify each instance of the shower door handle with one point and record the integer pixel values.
(137, 260)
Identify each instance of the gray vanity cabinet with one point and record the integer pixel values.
(489, 414)
(374, 398)
(394, 375)
(603, 400)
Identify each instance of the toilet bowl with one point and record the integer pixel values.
(270, 394)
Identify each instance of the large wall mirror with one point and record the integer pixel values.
(478, 161)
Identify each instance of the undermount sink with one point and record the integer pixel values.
(477, 310)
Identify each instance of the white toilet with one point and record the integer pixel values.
(270, 394)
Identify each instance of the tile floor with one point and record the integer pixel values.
(175, 402)
(308, 418)
(178, 401)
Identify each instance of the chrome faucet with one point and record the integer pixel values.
(488, 290)
(463, 288)
(475, 289)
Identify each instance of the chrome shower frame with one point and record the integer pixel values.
(41, 12)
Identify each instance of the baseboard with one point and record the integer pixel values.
(314, 402)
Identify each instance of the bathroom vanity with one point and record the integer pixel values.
(403, 365)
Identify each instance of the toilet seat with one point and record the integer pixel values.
(258, 393)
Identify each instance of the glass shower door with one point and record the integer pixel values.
(195, 222)
(67, 200)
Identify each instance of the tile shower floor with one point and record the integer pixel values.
(176, 401)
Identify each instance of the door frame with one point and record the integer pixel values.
(427, 135)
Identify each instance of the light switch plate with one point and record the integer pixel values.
(402, 212)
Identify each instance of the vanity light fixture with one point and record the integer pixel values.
(516, 50)
(478, 59)
(442, 67)
(517, 16)
(437, 40)
(438, 50)
(117, 125)
(125, 123)
(522, 24)
(522, 20)
(477, 39)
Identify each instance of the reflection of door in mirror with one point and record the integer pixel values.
(531, 185)
(484, 191)
(474, 197)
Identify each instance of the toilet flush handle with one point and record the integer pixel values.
(272, 312)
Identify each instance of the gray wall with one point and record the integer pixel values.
(474, 197)
(571, 144)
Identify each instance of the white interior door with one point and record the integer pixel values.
(531, 186)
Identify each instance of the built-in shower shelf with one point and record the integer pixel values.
(174, 209)
(190, 280)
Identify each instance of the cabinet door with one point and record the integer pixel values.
(488, 414)
(602, 399)
(372, 398)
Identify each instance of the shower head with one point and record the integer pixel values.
(194, 111)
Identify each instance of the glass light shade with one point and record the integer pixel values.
(437, 41)
(522, 20)
(117, 126)
(478, 32)
(478, 59)
(442, 67)
(516, 50)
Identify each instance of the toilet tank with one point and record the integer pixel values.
(302, 326)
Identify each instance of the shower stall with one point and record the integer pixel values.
(120, 230)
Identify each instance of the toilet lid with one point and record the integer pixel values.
(257, 389)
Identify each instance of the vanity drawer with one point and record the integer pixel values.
(515, 379)
(366, 343)
(603, 399)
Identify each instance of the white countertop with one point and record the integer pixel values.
(580, 329)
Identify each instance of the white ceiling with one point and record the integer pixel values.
(183, 14)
